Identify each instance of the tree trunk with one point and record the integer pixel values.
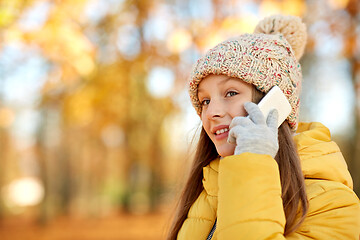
(351, 51)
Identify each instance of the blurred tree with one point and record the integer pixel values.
(352, 52)
(89, 92)
(9, 13)
(89, 89)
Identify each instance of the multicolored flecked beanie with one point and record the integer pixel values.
(266, 58)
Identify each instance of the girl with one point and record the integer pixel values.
(250, 179)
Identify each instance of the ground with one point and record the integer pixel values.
(120, 227)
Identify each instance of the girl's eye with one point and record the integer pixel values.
(231, 93)
(205, 102)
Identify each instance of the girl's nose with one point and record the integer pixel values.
(215, 110)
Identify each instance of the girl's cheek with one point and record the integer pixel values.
(238, 109)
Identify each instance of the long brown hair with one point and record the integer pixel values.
(291, 177)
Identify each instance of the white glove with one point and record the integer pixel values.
(254, 134)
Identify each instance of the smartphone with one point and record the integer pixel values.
(275, 99)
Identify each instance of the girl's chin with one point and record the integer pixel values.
(227, 150)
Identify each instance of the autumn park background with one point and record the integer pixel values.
(95, 122)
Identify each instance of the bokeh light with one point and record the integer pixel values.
(24, 192)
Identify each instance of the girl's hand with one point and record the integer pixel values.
(254, 134)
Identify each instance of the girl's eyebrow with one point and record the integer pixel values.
(225, 80)
(219, 83)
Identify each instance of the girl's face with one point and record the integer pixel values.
(222, 98)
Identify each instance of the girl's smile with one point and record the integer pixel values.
(221, 132)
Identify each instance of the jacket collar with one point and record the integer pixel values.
(320, 157)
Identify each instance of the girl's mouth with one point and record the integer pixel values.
(221, 134)
(221, 131)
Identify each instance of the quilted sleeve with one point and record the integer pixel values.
(249, 200)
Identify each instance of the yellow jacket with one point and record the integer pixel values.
(244, 193)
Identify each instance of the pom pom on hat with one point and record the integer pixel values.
(291, 27)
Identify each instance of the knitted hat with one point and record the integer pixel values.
(266, 58)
